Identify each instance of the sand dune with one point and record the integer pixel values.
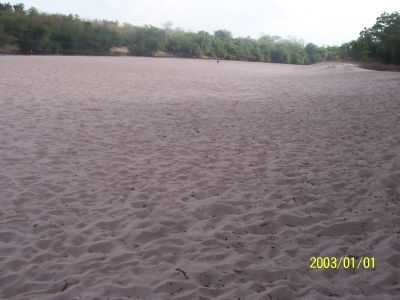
(139, 178)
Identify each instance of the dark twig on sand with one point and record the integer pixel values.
(66, 284)
(182, 272)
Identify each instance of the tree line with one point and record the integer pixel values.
(29, 31)
(379, 43)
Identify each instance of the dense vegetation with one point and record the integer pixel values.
(28, 31)
(31, 32)
(380, 43)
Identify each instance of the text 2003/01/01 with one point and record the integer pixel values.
(343, 262)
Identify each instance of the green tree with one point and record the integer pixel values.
(31, 31)
(223, 34)
(381, 42)
(313, 54)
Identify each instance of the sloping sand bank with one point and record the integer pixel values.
(136, 178)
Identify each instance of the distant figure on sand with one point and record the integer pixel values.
(217, 61)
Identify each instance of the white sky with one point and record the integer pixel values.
(317, 21)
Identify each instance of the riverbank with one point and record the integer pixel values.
(380, 67)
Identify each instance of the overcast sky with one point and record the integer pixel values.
(317, 21)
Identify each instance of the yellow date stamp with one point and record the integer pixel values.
(342, 263)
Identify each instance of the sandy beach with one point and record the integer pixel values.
(145, 178)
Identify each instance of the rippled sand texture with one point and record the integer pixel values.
(140, 178)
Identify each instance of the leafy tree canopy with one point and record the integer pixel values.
(30, 31)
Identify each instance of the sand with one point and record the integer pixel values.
(141, 178)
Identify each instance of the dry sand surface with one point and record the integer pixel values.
(141, 178)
